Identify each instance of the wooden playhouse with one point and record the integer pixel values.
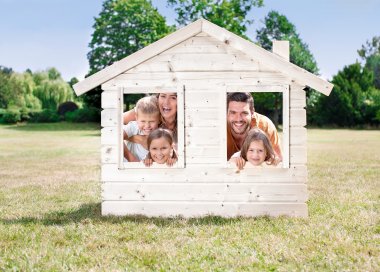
(201, 63)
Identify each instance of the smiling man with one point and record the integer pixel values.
(241, 117)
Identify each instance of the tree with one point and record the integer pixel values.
(51, 89)
(269, 104)
(122, 28)
(370, 48)
(6, 93)
(73, 81)
(354, 100)
(370, 53)
(16, 90)
(28, 100)
(278, 27)
(230, 14)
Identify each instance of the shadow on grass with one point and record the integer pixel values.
(60, 126)
(91, 212)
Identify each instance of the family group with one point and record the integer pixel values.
(150, 132)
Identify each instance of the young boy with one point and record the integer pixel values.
(147, 120)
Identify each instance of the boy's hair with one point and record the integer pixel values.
(147, 105)
(161, 133)
(241, 97)
(256, 134)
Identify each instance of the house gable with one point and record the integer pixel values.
(199, 60)
(297, 74)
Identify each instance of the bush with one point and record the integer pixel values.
(45, 116)
(90, 114)
(65, 107)
(10, 116)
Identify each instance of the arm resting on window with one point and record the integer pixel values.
(129, 116)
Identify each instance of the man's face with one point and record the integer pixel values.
(239, 117)
(147, 122)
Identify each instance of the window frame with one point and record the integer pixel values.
(285, 143)
(179, 90)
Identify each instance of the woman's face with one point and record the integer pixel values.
(256, 153)
(167, 102)
(160, 150)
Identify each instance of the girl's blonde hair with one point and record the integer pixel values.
(256, 134)
(161, 133)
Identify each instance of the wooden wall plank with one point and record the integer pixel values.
(109, 136)
(207, 100)
(234, 192)
(202, 136)
(196, 209)
(109, 118)
(109, 154)
(202, 117)
(204, 174)
(202, 44)
(297, 97)
(226, 76)
(298, 136)
(110, 99)
(297, 117)
(300, 103)
(298, 154)
(197, 62)
(195, 79)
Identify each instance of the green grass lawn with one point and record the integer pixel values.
(50, 212)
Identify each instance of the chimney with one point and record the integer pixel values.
(281, 48)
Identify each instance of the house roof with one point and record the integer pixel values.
(295, 73)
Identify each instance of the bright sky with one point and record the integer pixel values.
(38, 34)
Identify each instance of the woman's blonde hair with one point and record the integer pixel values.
(256, 134)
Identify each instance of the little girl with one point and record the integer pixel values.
(161, 148)
(256, 149)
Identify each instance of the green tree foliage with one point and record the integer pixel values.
(6, 93)
(73, 81)
(278, 27)
(51, 89)
(122, 28)
(370, 53)
(230, 14)
(32, 96)
(28, 100)
(16, 91)
(269, 104)
(354, 100)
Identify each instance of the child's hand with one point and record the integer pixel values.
(147, 162)
(240, 163)
(171, 161)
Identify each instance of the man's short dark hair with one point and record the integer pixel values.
(241, 97)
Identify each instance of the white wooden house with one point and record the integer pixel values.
(201, 63)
